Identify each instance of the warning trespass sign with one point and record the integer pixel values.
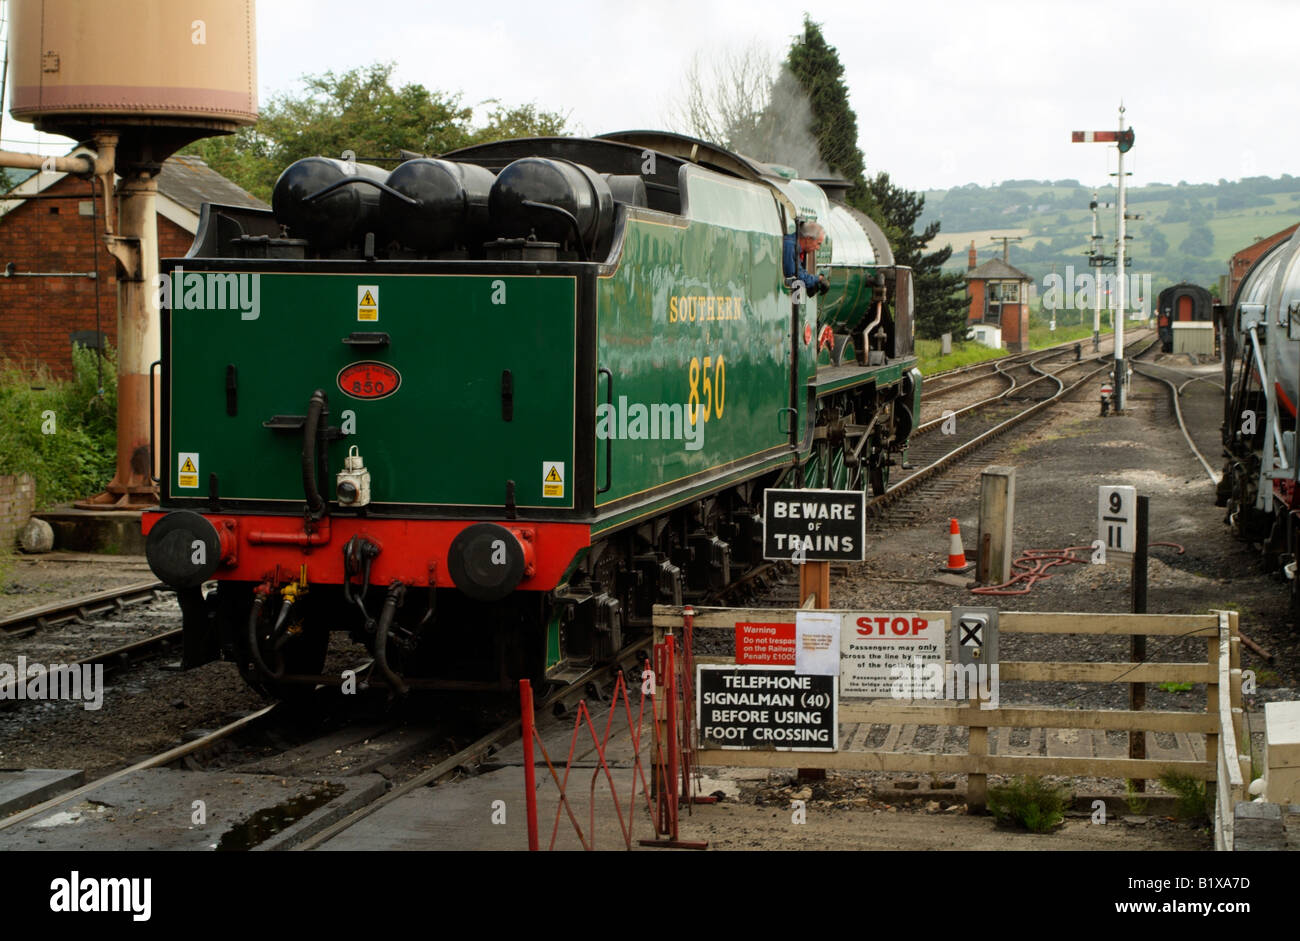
(187, 473)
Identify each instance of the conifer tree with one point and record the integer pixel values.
(939, 308)
(816, 64)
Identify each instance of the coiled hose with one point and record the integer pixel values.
(1032, 565)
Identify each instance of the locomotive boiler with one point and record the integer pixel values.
(483, 411)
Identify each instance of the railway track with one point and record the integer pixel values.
(557, 701)
(81, 608)
(1175, 392)
(983, 372)
(980, 424)
(949, 379)
(157, 761)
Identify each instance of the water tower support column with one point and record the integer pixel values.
(134, 245)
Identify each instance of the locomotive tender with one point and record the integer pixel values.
(1261, 361)
(483, 411)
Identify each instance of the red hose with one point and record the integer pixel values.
(1032, 564)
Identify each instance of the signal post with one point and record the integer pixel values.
(1123, 139)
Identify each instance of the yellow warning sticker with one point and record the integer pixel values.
(188, 475)
(552, 478)
(367, 302)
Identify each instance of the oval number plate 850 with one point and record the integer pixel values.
(369, 380)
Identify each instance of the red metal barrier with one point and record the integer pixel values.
(530, 777)
(599, 745)
(671, 754)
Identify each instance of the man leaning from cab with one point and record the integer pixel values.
(810, 238)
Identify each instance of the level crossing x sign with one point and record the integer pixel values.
(974, 637)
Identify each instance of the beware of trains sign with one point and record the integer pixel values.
(814, 525)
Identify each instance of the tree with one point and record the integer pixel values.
(723, 102)
(939, 308)
(800, 116)
(359, 111)
(1199, 242)
(815, 64)
(1159, 244)
(520, 121)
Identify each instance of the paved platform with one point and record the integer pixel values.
(488, 811)
(116, 532)
(22, 789)
(156, 810)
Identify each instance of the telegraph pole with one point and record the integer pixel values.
(1005, 240)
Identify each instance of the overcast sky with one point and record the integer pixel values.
(947, 93)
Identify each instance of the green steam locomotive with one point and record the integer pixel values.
(482, 412)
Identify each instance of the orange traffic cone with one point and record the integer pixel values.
(956, 554)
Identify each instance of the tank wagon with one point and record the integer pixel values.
(1261, 357)
(482, 412)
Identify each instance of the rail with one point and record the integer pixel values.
(909, 483)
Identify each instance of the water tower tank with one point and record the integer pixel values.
(161, 72)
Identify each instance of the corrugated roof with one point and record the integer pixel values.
(996, 268)
(186, 179)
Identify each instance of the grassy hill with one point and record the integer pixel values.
(1186, 232)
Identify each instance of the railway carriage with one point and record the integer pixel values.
(482, 412)
(1181, 303)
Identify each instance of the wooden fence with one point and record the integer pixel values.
(1220, 721)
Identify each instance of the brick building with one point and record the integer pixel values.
(999, 295)
(48, 302)
(1240, 263)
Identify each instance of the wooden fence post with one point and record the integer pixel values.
(997, 522)
(1137, 692)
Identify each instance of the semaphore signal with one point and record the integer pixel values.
(1123, 139)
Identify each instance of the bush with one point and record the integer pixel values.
(62, 432)
(1029, 802)
(1194, 801)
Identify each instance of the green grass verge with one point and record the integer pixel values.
(966, 354)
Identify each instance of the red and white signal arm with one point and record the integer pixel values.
(1124, 138)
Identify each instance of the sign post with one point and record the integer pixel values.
(975, 646)
(1137, 692)
(813, 528)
